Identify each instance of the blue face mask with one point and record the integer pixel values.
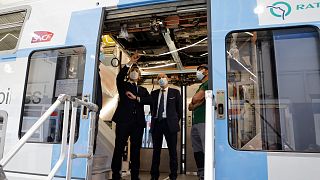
(102, 57)
(163, 82)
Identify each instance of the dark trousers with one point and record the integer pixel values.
(123, 131)
(161, 128)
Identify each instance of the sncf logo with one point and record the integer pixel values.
(41, 36)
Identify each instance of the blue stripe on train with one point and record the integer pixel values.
(9, 57)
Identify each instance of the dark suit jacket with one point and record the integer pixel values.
(173, 109)
(126, 106)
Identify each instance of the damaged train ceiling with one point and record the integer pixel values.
(154, 30)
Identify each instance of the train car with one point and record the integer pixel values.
(262, 102)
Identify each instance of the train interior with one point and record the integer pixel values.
(170, 40)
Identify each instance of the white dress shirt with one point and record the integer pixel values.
(165, 95)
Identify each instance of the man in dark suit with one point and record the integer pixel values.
(166, 113)
(129, 118)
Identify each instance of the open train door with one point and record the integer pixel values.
(68, 69)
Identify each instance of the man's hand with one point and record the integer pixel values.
(134, 58)
(130, 95)
(192, 107)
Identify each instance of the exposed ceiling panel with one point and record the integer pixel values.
(145, 28)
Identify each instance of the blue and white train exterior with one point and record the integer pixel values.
(78, 24)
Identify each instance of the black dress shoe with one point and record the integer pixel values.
(116, 178)
(135, 178)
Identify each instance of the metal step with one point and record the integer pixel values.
(100, 169)
(101, 176)
(100, 164)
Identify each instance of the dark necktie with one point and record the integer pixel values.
(161, 105)
(135, 88)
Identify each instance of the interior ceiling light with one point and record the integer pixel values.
(249, 33)
(204, 54)
(160, 66)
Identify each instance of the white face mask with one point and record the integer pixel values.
(134, 75)
(200, 75)
(163, 82)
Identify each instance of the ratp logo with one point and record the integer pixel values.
(280, 9)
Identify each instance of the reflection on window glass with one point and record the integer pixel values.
(10, 28)
(147, 136)
(274, 90)
(3, 124)
(52, 73)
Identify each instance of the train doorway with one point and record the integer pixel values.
(170, 40)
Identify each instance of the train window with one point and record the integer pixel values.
(10, 27)
(51, 72)
(273, 79)
(3, 126)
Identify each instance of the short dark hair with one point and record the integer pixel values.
(134, 66)
(202, 66)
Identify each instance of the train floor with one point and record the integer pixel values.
(163, 176)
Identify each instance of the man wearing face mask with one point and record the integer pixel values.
(197, 105)
(129, 118)
(166, 113)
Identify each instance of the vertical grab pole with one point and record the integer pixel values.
(64, 139)
(209, 140)
(71, 139)
(183, 150)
